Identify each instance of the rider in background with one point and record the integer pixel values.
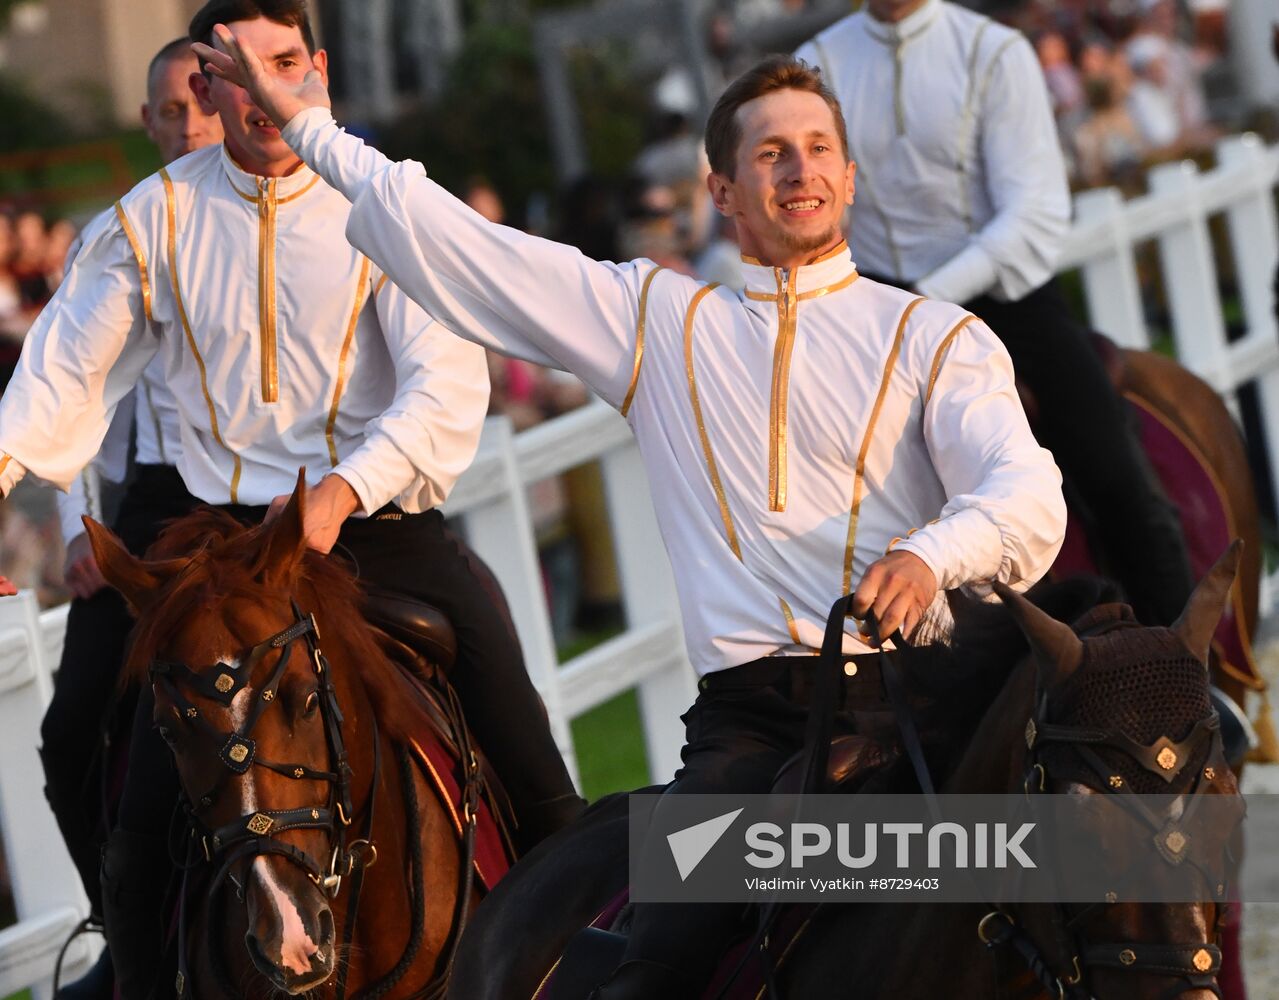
(284, 347)
(963, 197)
(83, 713)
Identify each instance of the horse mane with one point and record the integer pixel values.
(226, 558)
(955, 675)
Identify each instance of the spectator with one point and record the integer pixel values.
(1108, 145)
(28, 263)
(1151, 101)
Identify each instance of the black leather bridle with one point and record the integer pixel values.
(255, 834)
(1195, 965)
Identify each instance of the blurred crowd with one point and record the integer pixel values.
(1126, 79)
(33, 255)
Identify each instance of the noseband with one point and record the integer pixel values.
(255, 834)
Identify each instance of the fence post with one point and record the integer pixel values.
(1190, 279)
(1255, 247)
(1110, 276)
(500, 530)
(46, 888)
(648, 594)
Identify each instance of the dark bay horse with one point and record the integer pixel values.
(1144, 683)
(321, 855)
(1197, 452)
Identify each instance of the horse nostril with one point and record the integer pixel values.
(258, 955)
(326, 926)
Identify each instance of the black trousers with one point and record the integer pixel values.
(418, 556)
(89, 711)
(1088, 428)
(746, 723)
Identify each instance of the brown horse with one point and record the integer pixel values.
(977, 694)
(1185, 426)
(301, 766)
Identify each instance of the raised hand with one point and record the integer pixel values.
(240, 65)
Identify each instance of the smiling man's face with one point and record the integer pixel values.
(252, 138)
(792, 179)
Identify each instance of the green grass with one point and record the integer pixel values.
(609, 739)
(610, 747)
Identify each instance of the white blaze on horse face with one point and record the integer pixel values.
(296, 946)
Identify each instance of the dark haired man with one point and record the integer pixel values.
(72, 733)
(284, 346)
(813, 433)
(966, 200)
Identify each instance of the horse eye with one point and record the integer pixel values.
(312, 703)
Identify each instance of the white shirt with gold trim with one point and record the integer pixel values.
(792, 433)
(961, 184)
(282, 344)
(149, 416)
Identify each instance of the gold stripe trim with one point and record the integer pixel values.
(269, 363)
(711, 468)
(841, 284)
(136, 247)
(838, 286)
(549, 972)
(790, 622)
(298, 194)
(171, 206)
(4, 462)
(381, 282)
(787, 318)
(832, 253)
(639, 339)
(935, 372)
(860, 471)
(253, 199)
(346, 347)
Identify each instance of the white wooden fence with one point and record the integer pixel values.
(649, 654)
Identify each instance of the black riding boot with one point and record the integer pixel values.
(135, 874)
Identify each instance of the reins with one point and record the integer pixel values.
(254, 834)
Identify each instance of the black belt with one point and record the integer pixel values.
(794, 678)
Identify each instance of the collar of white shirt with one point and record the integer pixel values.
(248, 186)
(829, 272)
(905, 29)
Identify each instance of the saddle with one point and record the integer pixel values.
(422, 628)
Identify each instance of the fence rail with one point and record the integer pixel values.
(649, 654)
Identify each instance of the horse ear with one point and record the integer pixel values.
(137, 581)
(1206, 605)
(285, 539)
(1058, 651)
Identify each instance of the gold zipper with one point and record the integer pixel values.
(267, 204)
(787, 317)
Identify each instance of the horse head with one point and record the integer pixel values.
(1125, 709)
(246, 702)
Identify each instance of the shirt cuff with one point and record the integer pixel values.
(371, 499)
(964, 548)
(968, 274)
